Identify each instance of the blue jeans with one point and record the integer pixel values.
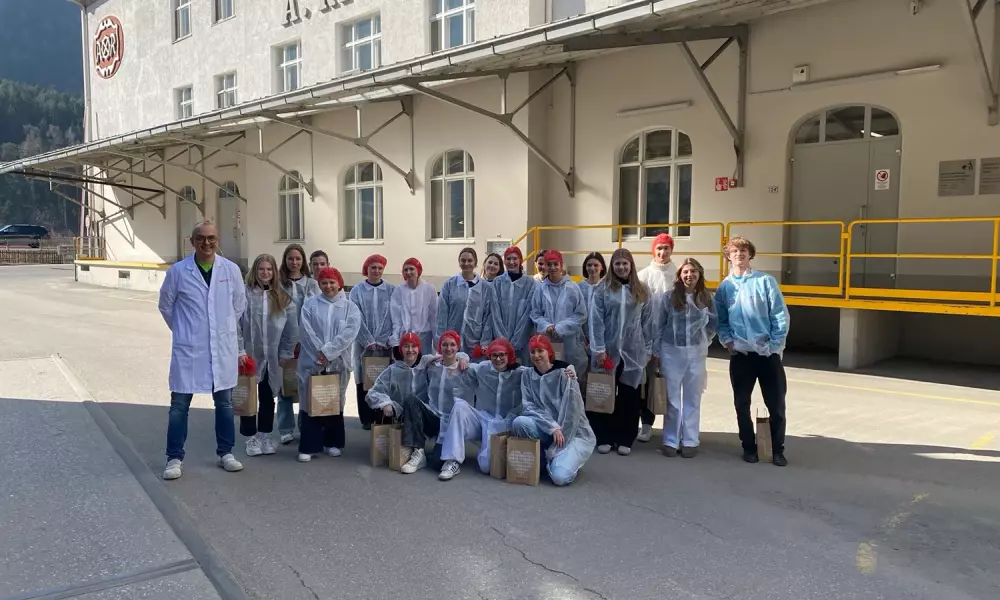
(568, 460)
(286, 415)
(177, 429)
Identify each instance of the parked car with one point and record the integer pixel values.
(30, 236)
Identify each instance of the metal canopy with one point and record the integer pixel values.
(987, 70)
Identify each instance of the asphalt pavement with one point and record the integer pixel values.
(891, 492)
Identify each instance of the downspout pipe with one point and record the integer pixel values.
(86, 44)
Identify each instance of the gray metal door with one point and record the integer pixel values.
(881, 238)
(230, 225)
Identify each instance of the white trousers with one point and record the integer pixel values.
(685, 372)
(470, 424)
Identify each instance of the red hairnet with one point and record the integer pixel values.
(543, 342)
(554, 256)
(374, 258)
(450, 334)
(513, 250)
(412, 262)
(410, 338)
(502, 345)
(660, 239)
(330, 273)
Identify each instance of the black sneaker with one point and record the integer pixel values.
(750, 457)
(366, 426)
(780, 460)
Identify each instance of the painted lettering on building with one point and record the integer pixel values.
(109, 47)
(294, 11)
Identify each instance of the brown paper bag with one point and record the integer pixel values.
(523, 461)
(380, 444)
(763, 437)
(498, 455)
(657, 402)
(245, 396)
(372, 367)
(600, 392)
(559, 349)
(324, 395)
(290, 383)
(398, 453)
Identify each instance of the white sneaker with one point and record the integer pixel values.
(418, 460)
(267, 444)
(604, 448)
(253, 446)
(645, 433)
(624, 450)
(229, 463)
(334, 452)
(173, 470)
(287, 438)
(305, 457)
(449, 470)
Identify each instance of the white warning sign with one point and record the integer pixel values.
(882, 179)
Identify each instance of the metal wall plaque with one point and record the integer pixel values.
(957, 177)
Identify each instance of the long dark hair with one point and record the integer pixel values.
(701, 296)
(283, 269)
(499, 260)
(599, 258)
(639, 291)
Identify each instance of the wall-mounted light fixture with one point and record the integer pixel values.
(856, 78)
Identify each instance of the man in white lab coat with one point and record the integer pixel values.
(201, 300)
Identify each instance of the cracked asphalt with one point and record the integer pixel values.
(862, 447)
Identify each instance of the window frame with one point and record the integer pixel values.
(286, 66)
(674, 162)
(467, 176)
(221, 90)
(468, 12)
(355, 186)
(179, 7)
(288, 189)
(352, 42)
(184, 108)
(217, 6)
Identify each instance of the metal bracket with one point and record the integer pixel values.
(148, 175)
(57, 177)
(166, 163)
(506, 117)
(986, 77)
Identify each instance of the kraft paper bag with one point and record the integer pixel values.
(290, 383)
(380, 444)
(324, 395)
(498, 455)
(559, 349)
(523, 461)
(398, 453)
(764, 437)
(245, 396)
(657, 402)
(600, 392)
(372, 366)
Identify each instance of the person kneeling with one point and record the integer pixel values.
(554, 413)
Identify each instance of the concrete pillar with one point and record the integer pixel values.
(867, 336)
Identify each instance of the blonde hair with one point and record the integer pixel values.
(612, 284)
(279, 298)
(701, 296)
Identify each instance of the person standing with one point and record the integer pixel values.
(464, 306)
(372, 297)
(512, 312)
(201, 300)
(659, 276)
(753, 326)
(558, 311)
(413, 308)
(296, 280)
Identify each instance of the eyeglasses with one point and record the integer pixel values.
(498, 356)
(201, 239)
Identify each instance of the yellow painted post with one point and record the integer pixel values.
(847, 267)
(619, 236)
(993, 264)
(843, 258)
(538, 241)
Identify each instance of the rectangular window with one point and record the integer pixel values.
(363, 212)
(182, 19)
(564, 9)
(654, 184)
(453, 24)
(224, 9)
(289, 67)
(362, 49)
(290, 217)
(184, 100)
(226, 90)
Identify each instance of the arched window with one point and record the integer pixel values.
(232, 190)
(453, 196)
(845, 123)
(654, 182)
(290, 222)
(363, 202)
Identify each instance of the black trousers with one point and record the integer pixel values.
(647, 415)
(316, 433)
(419, 423)
(263, 421)
(622, 426)
(366, 414)
(745, 370)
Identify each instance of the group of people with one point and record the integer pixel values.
(492, 352)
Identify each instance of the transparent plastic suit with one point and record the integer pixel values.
(268, 337)
(623, 329)
(752, 314)
(414, 310)
(301, 290)
(466, 310)
(682, 345)
(330, 326)
(498, 398)
(512, 311)
(562, 305)
(443, 385)
(376, 322)
(400, 382)
(553, 401)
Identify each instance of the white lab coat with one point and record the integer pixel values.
(414, 310)
(203, 322)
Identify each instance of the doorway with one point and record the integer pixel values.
(230, 211)
(188, 216)
(845, 167)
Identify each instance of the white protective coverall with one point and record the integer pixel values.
(553, 401)
(562, 305)
(376, 322)
(300, 290)
(268, 344)
(203, 320)
(512, 312)
(414, 310)
(330, 326)
(498, 396)
(400, 382)
(466, 309)
(682, 342)
(623, 329)
(444, 386)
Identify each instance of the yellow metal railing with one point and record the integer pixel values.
(89, 248)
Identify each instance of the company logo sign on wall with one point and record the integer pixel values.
(109, 47)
